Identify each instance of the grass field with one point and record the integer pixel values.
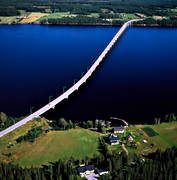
(8, 20)
(149, 131)
(94, 15)
(33, 17)
(167, 135)
(127, 16)
(57, 15)
(9, 149)
(76, 143)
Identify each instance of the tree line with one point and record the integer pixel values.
(80, 20)
(167, 118)
(6, 121)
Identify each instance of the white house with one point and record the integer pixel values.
(113, 139)
(119, 129)
(85, 170)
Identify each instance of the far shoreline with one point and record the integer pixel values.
(98, 24)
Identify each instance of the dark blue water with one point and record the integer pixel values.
(137, 81)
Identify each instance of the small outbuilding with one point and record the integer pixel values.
(118, 129)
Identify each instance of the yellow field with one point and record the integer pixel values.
(33, 17)
(141, 15)
(158, 17)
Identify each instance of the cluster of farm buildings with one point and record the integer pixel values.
(87, 171)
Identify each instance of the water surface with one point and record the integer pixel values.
(137, 81)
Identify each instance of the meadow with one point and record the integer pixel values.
(55, 145)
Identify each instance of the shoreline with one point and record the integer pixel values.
(87, 24)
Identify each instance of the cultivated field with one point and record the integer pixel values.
(32, 18)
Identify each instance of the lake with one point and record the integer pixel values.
(136, 82)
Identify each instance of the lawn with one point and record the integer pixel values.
(76, 143)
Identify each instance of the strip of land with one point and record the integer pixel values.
(80, 143)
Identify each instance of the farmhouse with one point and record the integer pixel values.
(85, 170)
(113, 139)
(119, 130)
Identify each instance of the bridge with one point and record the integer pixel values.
(76, 86)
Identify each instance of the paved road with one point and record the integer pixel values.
(76, 86)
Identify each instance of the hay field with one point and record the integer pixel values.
(33, 17)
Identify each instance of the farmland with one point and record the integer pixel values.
(32, 18)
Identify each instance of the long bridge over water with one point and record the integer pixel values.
(76, 86)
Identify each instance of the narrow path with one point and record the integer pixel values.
(76, 86)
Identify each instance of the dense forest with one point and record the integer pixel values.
(158, 165)
(148, 7)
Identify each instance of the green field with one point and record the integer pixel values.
(149, 131)
(8, 20)
(167, 135)
(56, 15)
(127, 16)
(76, 143)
